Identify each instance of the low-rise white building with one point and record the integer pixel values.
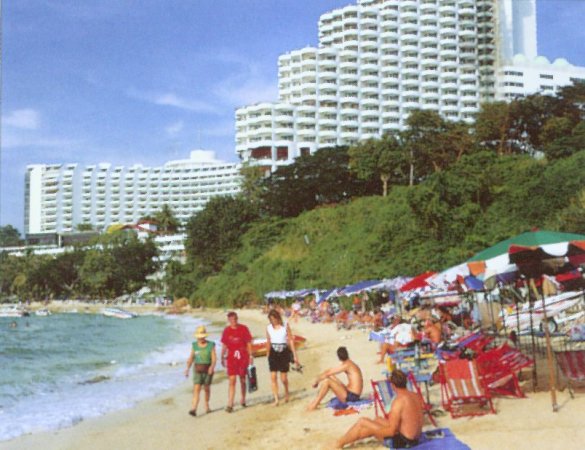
(525, 76)
(58, 197)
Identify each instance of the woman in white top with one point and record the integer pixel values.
(280, 346)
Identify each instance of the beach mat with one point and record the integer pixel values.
(438, 439)
(338, 405)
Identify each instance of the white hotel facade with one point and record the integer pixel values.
(377, 60)
(60, 196)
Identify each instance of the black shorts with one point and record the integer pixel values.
(279, 361)
(351, 397)
(400, 441)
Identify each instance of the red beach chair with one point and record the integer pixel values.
(463, 392)
(572, 365)
(383, 395)
(499, 367)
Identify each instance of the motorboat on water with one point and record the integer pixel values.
(118, 313)
(42, 312)
(13, 311)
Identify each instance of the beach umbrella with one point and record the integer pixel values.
(358, 288)
(418, 282)
(534, 262)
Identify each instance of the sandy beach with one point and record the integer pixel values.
(163, 422)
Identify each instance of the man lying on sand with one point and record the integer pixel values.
(404, 424)
(345, 393)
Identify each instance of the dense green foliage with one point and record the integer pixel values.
(313, 180)
(114, 265)
(452, 189)
(479, 201)
(9, 236)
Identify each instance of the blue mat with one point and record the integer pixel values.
(439, 439)
(335, 403)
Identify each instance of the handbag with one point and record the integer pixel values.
(252, 380)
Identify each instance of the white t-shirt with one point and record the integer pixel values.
(401, 334)
(277, 335)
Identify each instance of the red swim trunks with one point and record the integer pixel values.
(237, 366)
(236, 341)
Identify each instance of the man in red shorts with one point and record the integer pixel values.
(236, 355)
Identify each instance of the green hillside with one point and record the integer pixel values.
(477, 202)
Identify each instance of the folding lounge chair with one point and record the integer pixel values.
(384, 394)
(572, 365)
(499, 367)
(439, 439)
(427, 407)
(463, 392)
(476, 342)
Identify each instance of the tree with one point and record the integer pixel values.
(252, 177)
(379, 158)
(567, 142)
(84, 227)
(572, 218)
(434, 143)
(166, 220)
(9, 236)
(214, 233)
(119, 264)
(312, 180)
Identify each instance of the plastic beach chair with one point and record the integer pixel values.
(463, 392)
(572, 365)
(438, 439)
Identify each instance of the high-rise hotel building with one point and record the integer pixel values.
(60, 196)
(377, 60)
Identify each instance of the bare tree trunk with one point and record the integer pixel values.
(385, 178)
(411, 177)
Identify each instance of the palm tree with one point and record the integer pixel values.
(166, 220)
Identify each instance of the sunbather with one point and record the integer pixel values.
(345, 393)
(400, 337)
(404, 424)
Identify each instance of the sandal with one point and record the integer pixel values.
(229, 409)
(244, 405)
(193, 413)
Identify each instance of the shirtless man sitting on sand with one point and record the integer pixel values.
(404, 424)
(345, 393)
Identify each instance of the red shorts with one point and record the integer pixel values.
(237, 366)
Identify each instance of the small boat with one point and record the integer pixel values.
(259, 345)
(118, 313)
(13, 311)
(43, 312)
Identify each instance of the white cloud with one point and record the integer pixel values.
(173, 100)
(240, 92)
(175, 128)
(21, 141)
(251, 84)
(28, 119)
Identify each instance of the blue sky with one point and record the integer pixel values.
(147, 81)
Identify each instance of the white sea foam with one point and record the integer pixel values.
(119, 386)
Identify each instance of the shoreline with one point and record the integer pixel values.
(163, 421)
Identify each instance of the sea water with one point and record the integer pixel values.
(58, 370)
